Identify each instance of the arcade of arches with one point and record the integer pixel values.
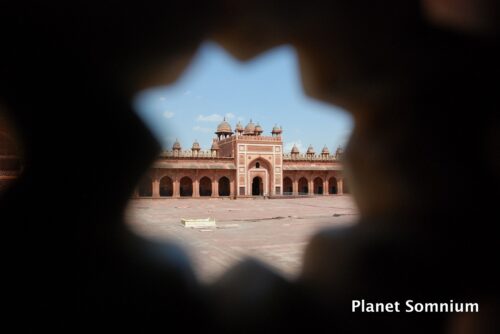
(10, 156)
(243, 163)
(172, 187)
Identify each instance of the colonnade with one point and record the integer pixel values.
(303, 185)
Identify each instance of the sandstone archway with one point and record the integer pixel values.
(287, 186)
(186, 187)
(205, 186)
(332, 186)
(166, 187)
(257, 186)
(318, 186)
(224, 186)
(303, 186)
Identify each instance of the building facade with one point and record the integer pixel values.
(243, 163)
(10, 160)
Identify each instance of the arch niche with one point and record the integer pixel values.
(260, 177)
(166, 187)
(205, 186)
(287, 186)
(257, 186)
(303, 186)
(332, 186)
(318, 186)
(186, 187)
(224, 185)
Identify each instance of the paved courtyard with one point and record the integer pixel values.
(275, 231)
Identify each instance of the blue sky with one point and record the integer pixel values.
(266, 89)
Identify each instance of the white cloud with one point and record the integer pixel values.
(168, 114)
(210, 118)
(215, 117)
(202, 129)
(162, 98)
(288, 146)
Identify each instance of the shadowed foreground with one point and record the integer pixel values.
(423, 164)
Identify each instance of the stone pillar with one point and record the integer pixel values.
(196, 187)
(215, 187)
(310, 187)
(325, 186)
(177, 188)
(295, 187)
(232, 186)
(156, 188)
(340, 188)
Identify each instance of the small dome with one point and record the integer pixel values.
(196, 145)
(276, 130)
(250, 128)
(215, 146)
(325, 150)
(310, 150)
(177, 145)
(295, 149)
(339, 151)
(258, 128)
(239, 127)
(224, 127)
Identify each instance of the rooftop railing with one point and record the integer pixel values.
(309, 157)
(208, 154)
(250, 137)
(191, 155)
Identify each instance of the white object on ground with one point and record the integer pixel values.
(199, 222)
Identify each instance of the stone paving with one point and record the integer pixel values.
(275, 231)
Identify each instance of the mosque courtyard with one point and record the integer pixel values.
(275, 231)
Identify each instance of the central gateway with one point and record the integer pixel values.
(258, 160)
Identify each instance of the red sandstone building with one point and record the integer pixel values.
(243, 163)
(10, 162)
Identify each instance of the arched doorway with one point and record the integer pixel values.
(186, 187)
(205, 186)
(332, 186)
(260, 182)
(146, 187)
(303, 186)
(318, 186)
(224, 186)
(7, 146)
(287, 186)
(257, 186)
(166, 187)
